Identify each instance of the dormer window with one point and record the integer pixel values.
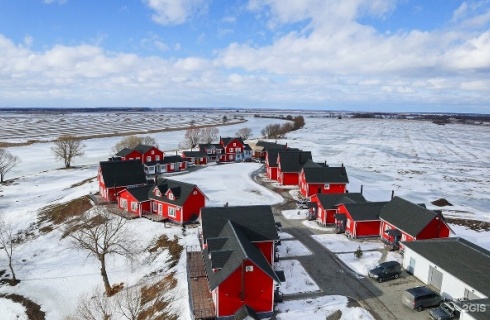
(234, 144)
(158, 193)
(171, 196)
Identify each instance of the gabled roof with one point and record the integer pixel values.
(204, 147)
(409, 217)
(329, 201)
(228, 140)
(325, 174)
(180, 190)
(256, 222)
(464, 260)
(172, 159)
(122, 173)
(272, 157)
(246, 147)
(195, 154)
(124, 152)
(293, 161)
(271, 145)
(311, 164)
(140, 193)
(143, 148)
(366, 211)
(235, 250)
(245, 313)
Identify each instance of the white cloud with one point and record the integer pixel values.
(171, 12)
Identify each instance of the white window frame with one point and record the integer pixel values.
(172, 166)
(123, 203)
(154, 207)
(134, 206)
(326, 186)
(171, 212)
(152, 151)
(148, 158)
(171, 196)
(231, 150)
(157, 157)
(234, 144)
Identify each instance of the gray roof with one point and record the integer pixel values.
(122, 173)
(407, 216)
(257, 222)
(272, 157)
(228, 140)
(367, 211)
(465, 260)
(311, 164)
(140, 193)
(124, 152)
(479, 314)
(271, 145)
(143, 148)
(180, 190)
(245, 313)
(329, 201)
(204, 147)
(325, 174)
(293, 161)
(235, 250)
(194, 154)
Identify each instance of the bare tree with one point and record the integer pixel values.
(102, 234)
(7, 162)
(9, 242)
(68, 147)
(244, 133)
(131, 142)
(95, 307)
(191, 139)
(208, 134)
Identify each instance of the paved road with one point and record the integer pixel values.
(334, 278)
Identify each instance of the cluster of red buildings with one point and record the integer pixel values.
(330, 203)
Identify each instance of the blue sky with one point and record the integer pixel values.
(373, 55)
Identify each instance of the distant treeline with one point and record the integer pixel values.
(68, 110)
(278, 131)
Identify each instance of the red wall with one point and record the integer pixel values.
(435, 229)
(267, 249)
(272, 173)
(288, 178)
(334, 188)
(165, 207)
(111, 192)
(145, 206)
(133, 155)
(366, 228)
(324, 216)
(193, 205)
(258, 291)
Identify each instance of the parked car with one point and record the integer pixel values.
(420, 297)
(446, 311)
(386, 270)
(302, 204)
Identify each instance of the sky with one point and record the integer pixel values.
(357, 55)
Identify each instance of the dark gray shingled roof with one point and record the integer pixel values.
(122, 173)
(203, 147)
(124, 152)
(311, 164)
(329, 201)
(293, 161)
(143, 148)
(479, 314)
(325, 174)
(241, 248)
(140, 193)
(245, 313)
(257, 222)
(180, 190)
(228, 140)
(272, 157)
(465, 260)
(407, 216)
(366, 211)
(195, 154)
(270, 145)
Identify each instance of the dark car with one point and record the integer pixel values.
(420, 298)
(446, 311)
(302, 204)
(386, 270)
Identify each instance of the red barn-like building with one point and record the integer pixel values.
(326, 205)
(402, 220)
(235, 149)
(144, 153)
(177, 201)
(359, 220)
(318, 179)
(289, 165)
(238, 252)
(115, 176)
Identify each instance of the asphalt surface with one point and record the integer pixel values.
(382, 300)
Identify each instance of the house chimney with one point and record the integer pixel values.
(392, 194)
(342, 165)
(325, 163)
(175, 152)
(362, 187)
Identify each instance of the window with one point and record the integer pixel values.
(404, 237)
(138, 158)
(172, 166)
(238, 149)
(171, 196)
(124, 203)
(234, 144)
(148, 158)
(231, 149)
(171, 212)
(134, 206)
(348, 223)
(158, 193)
(231, 157)
(157, 158)
(326, 186)
(152, 151)
(154, 206)
(208, 151)
(195, 192)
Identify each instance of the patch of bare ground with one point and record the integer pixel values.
(60, 213)
(164, 243)
(4, 144)
(81, 183)
(470, 224)
(337, 315)
(154, 302)
(441, 202)
(33, 310)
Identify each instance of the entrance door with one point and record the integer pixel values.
(435, 278)
(411, 266)
(470, 295)
(160, 209)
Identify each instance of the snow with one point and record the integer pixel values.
(340, 243)
(295, 213)
(292, 248)
(481, 238)
(314, 225)
(284, 235)
(394, 256)
(368, 261)
(12, 310)
(297, 279)
(319, 309)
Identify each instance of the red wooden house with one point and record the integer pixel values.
(115, 176)
(359, 220)
(177, 201)
(171, 164)
(238, 251)
(235, 149)
(195, 157)
(326, 205)
(289, 165)
(402, 220)
(135, 200)
(271, 164)
(318, 179)
(144, 153)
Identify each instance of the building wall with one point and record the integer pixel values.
(272, 173)
(366, 229)
(452, 287)
(386, 226)
(258, 291)
(165, 210)
(193, 205)
(288, 178)
(333, 188)
(435, 229)
(152, 154)
(267, 249)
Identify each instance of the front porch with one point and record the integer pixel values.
(200, 299)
